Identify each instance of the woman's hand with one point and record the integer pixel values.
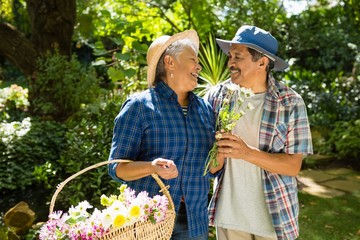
(165, 168)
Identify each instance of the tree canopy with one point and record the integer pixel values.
(76, 61)
(321, 43)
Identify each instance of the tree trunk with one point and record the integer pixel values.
(15, 47)
(52, 26)
(52, 23)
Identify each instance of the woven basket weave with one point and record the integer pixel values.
(139, 230)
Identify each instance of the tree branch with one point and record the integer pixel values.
(162, 14)
(15, 47)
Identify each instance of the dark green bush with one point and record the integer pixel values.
(61, 87)
(329, 97)
(345, 140)
(88, 142)
(25, 145)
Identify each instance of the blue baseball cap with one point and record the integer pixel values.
(258, 39)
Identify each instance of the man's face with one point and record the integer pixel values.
(243, 70)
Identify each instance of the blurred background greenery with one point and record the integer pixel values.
(67, 66)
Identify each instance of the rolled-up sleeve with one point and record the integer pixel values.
(299, 136)
(127, 133)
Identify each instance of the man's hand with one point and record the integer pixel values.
(233, 146)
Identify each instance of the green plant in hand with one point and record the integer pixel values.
(231, 110)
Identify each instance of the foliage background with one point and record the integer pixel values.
(67, 125)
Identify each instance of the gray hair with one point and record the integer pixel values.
(173, 50)
(256, 55)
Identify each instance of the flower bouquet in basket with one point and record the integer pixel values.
(127, 216)
(231, 109)
(120, 211)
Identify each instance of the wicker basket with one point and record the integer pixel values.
(139, 230)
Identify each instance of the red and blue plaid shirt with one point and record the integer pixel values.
(284, 129)
(151, 125)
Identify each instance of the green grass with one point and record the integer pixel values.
(335, 218)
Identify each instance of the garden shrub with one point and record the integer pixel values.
(345, 139)
(320, 135)
(25, 145)
(61, 87)
(13, 103)
(88, 139)
(329, 97)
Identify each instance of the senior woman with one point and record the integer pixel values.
(168, 130)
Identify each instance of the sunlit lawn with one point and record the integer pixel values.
(336, 218)
(330, 218)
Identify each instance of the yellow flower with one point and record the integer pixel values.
(104, 200)
(135, 211)
(122, 188)
(119, 220)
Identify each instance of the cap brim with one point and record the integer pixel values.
(188, 34)
(279, 64)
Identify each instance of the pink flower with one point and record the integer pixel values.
(79, 224)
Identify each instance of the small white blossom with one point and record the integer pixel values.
(122, 210)
(250, 106)
(230, 111)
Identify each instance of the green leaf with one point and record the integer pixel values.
(119, 41)
(214, 66)
(141, 48)
(129, 72)
(123, 56)
(105, 13)
(115, 74)
(99, 63)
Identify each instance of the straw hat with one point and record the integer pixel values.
(258, 39)
(158, 47)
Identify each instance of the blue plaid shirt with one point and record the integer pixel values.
(284, 129)
(152, 124)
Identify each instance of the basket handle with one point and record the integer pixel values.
(163, 188)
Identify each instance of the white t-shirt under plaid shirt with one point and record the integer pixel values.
(241, 206)
(284, 128)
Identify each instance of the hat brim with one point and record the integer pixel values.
(188, 34)
(279, 64)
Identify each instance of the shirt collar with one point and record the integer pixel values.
(168, 93)
(277, 92)
(274, 91)
(272, 88)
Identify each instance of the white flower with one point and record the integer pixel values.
(107, 218)
(82, 206)
(250, 106)
(122, 210)
(228, 116)
(74, 212)
(242, 113)
(118, 207)
(240, 100)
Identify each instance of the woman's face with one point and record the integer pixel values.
(186, 71)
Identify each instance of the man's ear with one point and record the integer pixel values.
(263, 61)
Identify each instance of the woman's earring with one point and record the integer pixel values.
(171, 74)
